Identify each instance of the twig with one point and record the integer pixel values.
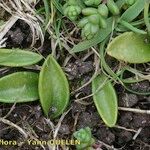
(10, 111)
(135, 110)
(107, 146)
(15, 126)
(3, 42)
(56, 128)
(123, 128)
(75, 121)
(137, 133)
(59, 124)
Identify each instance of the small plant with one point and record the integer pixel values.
(94, 14)
(72, 9)
(84, 135)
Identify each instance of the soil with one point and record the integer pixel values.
(30, 117)
(19, 35)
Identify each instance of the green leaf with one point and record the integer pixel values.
(58, 5)
(120, 3)
(105, 100)
(130, 47)
(101, 35)
(53, 88)
(19, 87)
(132, 12)
(113, 8)
(131, 27)
(18, 58)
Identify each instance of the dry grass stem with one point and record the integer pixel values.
(5, 121)
(20, 9)
(135, 110)
(123, 128)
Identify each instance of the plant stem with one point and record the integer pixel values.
(47, 11)
(146, 18)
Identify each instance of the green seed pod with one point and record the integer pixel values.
(72, 12)
(92, 2)
(86, 32)
(102, 22)
(103, 10)
(113, 8)
(89, 11)
(83, 22)
(94, 29)
(130, 2)
(89, 31)
(87, 28)
(94, 19)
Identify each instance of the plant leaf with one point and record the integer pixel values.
(120, 3)
(105, 100)
(101, 35)
(58, 5)
(53, 88)
(18, 58)
(130, 47)
(132, 12)
(19, 87)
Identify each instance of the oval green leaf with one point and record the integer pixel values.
(19, 87)
(130, 47)
(53, 88)
(18, 58)
(105, 100)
